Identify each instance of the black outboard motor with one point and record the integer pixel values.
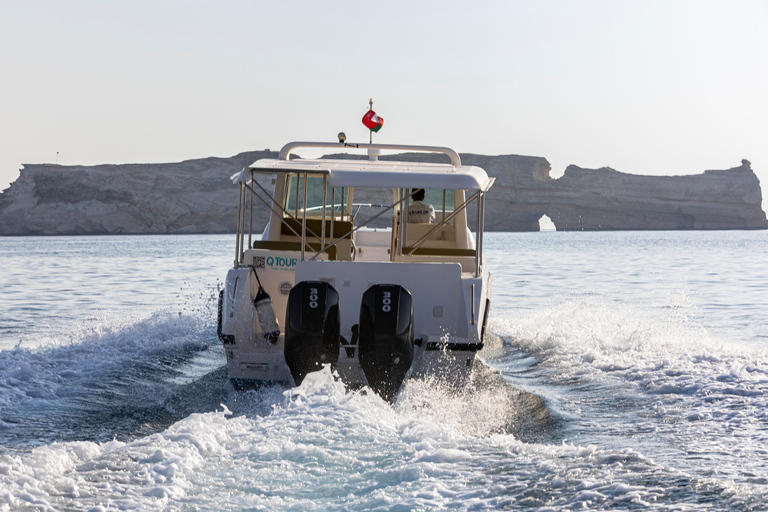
(386, 337)
(312, 328)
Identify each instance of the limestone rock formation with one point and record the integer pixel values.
(605, 199)
(196, 196)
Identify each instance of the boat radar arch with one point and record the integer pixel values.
(286, 151)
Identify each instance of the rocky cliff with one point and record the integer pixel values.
(196, 196)
(605, 199)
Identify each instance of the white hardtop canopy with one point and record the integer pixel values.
(379, 173)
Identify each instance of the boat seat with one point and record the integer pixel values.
(439, 251)
(344, 248)
(275, 245)
(443, 239)
(340, 227)
(446, 233)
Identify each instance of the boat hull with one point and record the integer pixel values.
(449, 309)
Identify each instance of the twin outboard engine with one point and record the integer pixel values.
(312, 328)
(385, 333)
(386, 337)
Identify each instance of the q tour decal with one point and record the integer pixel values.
(275, 262)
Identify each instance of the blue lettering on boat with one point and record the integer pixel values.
(279, 262)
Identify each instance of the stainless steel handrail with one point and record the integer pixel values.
(285, 152)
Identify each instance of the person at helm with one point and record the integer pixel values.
(418, 212)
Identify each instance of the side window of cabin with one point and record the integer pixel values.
(336, 200)
(294, 195)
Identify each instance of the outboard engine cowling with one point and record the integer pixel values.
(386, 337)
(312, 328)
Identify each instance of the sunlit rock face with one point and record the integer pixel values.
(605, 199)
(196, 196)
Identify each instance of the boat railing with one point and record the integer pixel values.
(284, 214)
(280, 210)
(285, 152)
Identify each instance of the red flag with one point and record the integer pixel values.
(372, 121)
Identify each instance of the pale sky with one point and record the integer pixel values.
(645, 86)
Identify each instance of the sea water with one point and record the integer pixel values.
(624, 371)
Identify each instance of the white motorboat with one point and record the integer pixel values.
(325, 285)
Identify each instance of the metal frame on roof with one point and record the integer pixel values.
(285, 152)
(379, 173)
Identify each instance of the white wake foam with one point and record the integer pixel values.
(321, 447)
(672, 378)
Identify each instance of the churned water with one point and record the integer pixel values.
(624, 371)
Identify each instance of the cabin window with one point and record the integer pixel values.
(336, 200)
(294, 195)
(369, 205)
(442, 200)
